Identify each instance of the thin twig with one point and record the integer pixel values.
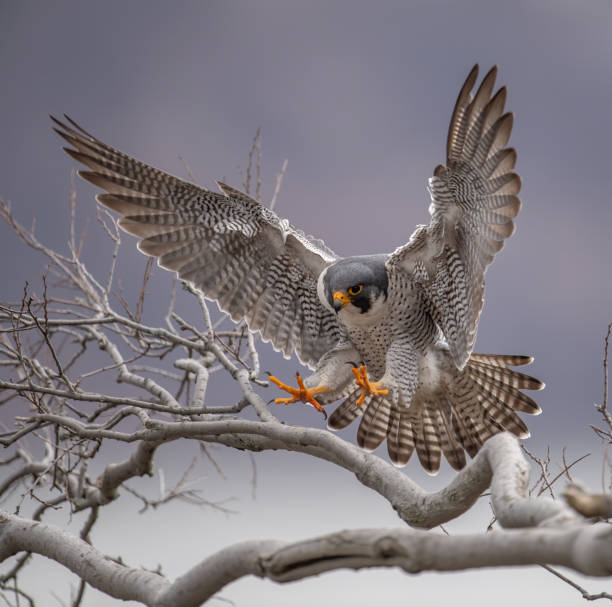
(585, 593)
(279, 181)
(188, 170)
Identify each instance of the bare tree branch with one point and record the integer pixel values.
(587, 549)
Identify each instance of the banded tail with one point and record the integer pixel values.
(480, 401)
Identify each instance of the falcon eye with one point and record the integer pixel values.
(355, 290)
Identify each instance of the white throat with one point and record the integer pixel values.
(352, 317)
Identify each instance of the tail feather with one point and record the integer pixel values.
(506, 376)
(490, 406)
(451, 417)
(502, 360)
(464, 434)
(400, 438)
(468, 407)
(451, 446)
(346, 412)
(374, 425)
(503, 417)
(508, 395)
(427, 441)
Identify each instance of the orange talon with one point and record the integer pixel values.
(367, 387)
(301, 393)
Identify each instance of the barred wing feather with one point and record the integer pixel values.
(473, 202)
(230, 246)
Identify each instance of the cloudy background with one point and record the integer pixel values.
(357, 97)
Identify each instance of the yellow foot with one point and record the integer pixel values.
(301, 393)
(367, 387)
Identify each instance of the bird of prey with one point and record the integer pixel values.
(390, 335)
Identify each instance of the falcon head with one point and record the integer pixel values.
(355, 288)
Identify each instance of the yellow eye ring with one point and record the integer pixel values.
(355, 289)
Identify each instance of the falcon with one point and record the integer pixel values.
(391, 335)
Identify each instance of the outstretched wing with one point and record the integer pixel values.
(254, 264)
(473, 201)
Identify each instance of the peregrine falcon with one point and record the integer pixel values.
(390, 335)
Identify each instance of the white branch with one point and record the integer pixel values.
(588, 504)
(30, 467)
(500, 464)
(587, 549)
(201, 379)
(18, 534)
(125, 375)
(140, 463)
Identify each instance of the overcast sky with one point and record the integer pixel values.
(357, 96)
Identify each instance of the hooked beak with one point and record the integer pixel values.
(340, 300)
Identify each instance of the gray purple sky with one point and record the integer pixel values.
(357, 96)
